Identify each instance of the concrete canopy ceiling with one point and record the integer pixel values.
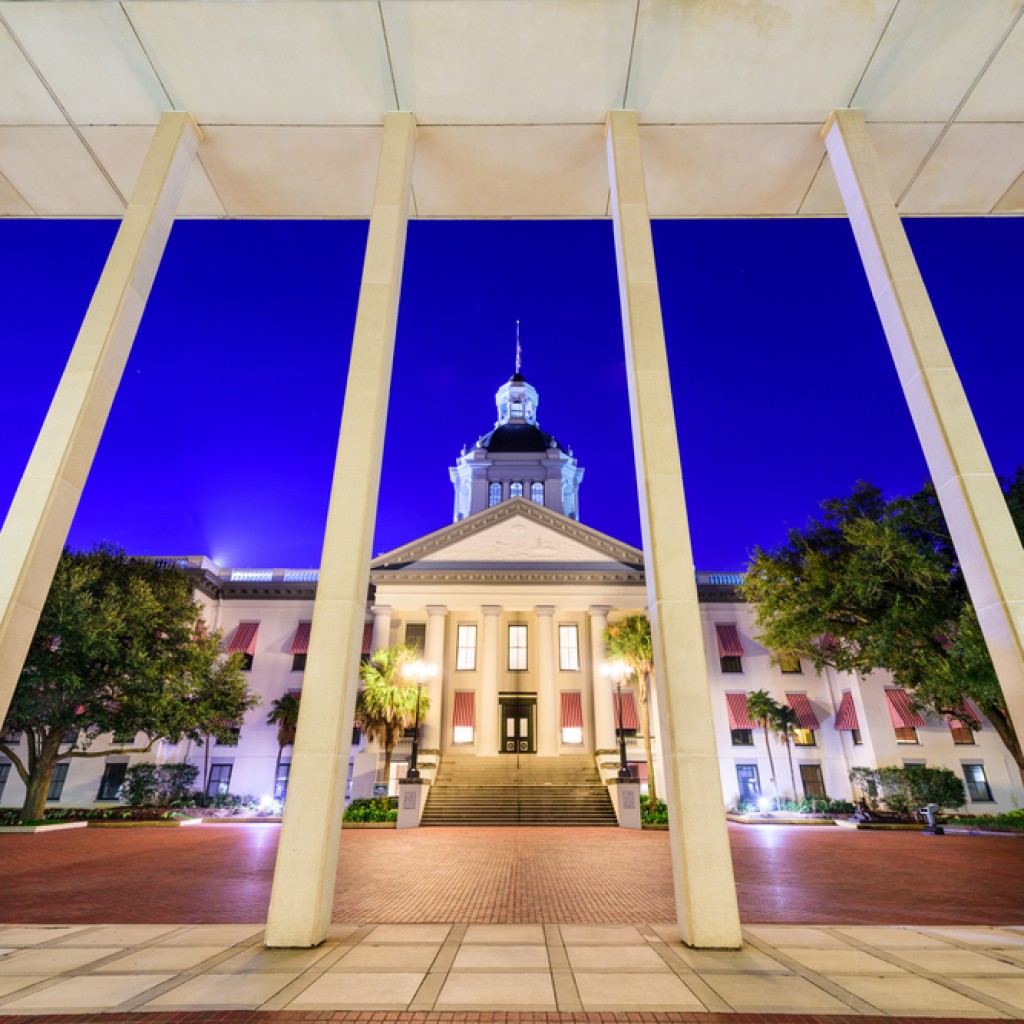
(511, 98)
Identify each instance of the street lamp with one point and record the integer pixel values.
(419, 671)
(616, 671)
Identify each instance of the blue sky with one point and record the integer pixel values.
(221, 439)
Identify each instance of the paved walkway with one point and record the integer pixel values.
(208, 874)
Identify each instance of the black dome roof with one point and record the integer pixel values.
(518, 437)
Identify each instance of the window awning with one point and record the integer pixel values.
(300, 642)
(846, 716)
(739, 716)
(243, 640)
(967, 716)
(630, 719)
(572, 710)
(638, 769)
(368, 638)
(805, 715)
(464, 712)
(902, 714)
(729, 643)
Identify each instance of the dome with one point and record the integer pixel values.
(518, 437)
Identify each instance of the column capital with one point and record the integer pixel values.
(491, 609)
(599, 610)
(437, 609)
(382, 609)
(544, 609)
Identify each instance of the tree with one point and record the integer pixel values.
(284, 713)
(386, 705)
(120, 648)
(629, 640)
(783, 725)
(764, 711)
(875, 584)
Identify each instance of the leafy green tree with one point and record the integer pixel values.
(386, 705)
(904, 790)
(284, 713)
(629, 640)
(784, 723)
(875, 584)
(764, 711)
(120, 648)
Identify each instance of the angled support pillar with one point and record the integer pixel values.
(307, 858)
(701, 862)
(983, 533)
(44, 505)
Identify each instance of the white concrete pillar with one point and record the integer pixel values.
(433, 654)
(307, 858)
(983, 533)
(547, 700)
(600, 684)
(702, 865)
(381, 628)
(487, 712)
(44, 505)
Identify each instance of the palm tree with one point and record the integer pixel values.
(284, 713)
(764, 709)
(629, 640)
(783, 726)
(386, 705)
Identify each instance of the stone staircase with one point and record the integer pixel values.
(521, 789)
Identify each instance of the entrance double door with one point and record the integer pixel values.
(518, 725)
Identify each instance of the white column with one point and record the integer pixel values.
(433, 654)
(487, 711)
(547, 700)
(983, 533)
(307, 858)
(702, 865)
(381, 627)
(601, 685)
(44, 505)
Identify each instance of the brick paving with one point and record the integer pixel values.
(468, 1017)
(211, 874)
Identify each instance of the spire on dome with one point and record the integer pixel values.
(519, 351)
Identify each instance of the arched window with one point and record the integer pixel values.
(537, 493)
(516, 489)
(494, 494)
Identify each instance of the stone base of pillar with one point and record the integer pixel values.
(625, 794)
(412, 795)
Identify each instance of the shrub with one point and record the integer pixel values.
(140, 785)
(164, 784)
(176, 782)
(656, 815)
(382, 809)
(904, 790)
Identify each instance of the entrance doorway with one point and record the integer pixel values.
(518, 715)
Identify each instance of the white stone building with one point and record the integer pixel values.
(510, 602)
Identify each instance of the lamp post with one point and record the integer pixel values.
(617, 671)
(420, 672)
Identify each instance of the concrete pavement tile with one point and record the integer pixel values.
(783, 936)
(33, 935)
(53, 960)
(524, 990)
(609, 991)
(410, 958)
(512, 934)
(608, 958)
(601, 935)
(892, 938)
(385, 933)
(160, 958)
(1009, 990)
(843, 961)
(259, 958)
(511, 958)
(773, 993)
(11, 983)
(747, 959)
(119, 935)
(358, 991)
(214, 935)
(912, 995)
(89, 992)
(221, 992)
(960, 961)
(997, 938)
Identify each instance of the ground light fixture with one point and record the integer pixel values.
(616, 671)
(419, 672)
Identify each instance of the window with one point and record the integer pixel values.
(856, 737)
(742, 737)
(625, 713)
(517, 648)
(978, 788)
(790, 664)
(243, 641)
(463, 716)
(299, 662)
(730, 647)
(281, 782)
(11, 737)
(57, 779)
(572, 717)
(5, 770)
(569, 648)
(962, 735)
(750, 785)
(70, 736)
(813, 783)
(113, 776)
(357, 736)
(803, 738)
(731, 663)
(246, 661)
(905, 734)
(465, 658)
(493, 494)
(517, 410)
(515, 489)
(537, 493)
(219, 780)
(228, 735)
(416, 636)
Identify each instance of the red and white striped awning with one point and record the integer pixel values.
(630, 719)
(368, 638)
(640, 768)
(729, 643)
(300, 642)
(967, 716)
(805, 715)
(244, 638)
(846, 716)
(572, 710)
(902, 714)
(464, 712)
(739, 716)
